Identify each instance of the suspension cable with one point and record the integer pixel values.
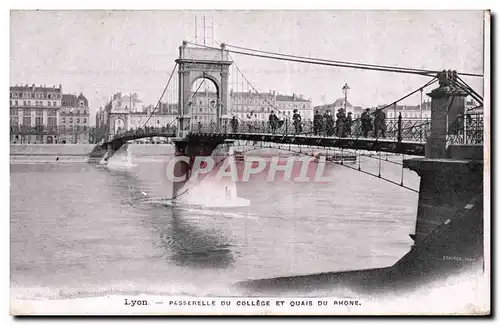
(163, 93)
(342, 65)
(468, 87)
(331, 61)
(469, 91)
(250, 84)
(475, 107)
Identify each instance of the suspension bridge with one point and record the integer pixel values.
(218, 117)
(446, 151)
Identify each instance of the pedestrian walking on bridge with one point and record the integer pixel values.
(234, 124)
(297, 121)
(379, 123)
(348, 124)
(329, 123)
(341, 119)
(273, 122)
(317, 123)
(366, 122)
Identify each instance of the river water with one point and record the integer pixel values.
(80, 229)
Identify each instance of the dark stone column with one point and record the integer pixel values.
(191, 149)
(447, 103)
(446, 186)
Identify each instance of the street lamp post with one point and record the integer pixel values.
(421, 99)
(345, 89)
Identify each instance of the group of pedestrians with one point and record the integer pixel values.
(325, 125)
(275, 122)
(377, 123)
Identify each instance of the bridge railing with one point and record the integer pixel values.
(398, 129)
(467, 129)
(145, 131)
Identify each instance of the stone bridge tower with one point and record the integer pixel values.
(198, 63)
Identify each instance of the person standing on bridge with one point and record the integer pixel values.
(329, 123)
(341, 119)
(212, 126)
(317, 123)
(297, 121)
(273, 122)
(379, 123)
(234, 124)
(366, 122)
(348, 124)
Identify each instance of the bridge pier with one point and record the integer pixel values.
(451, 176)
(190, 149)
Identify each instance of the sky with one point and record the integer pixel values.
(99, 53)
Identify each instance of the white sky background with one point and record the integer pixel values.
(102, 52)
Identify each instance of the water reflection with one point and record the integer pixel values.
(185, 241)
(193, 246)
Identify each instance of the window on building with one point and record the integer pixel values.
(84, 120)
(39, 112)
(17, 103)
(82, 103)
(55, 103)
(10, 103)
(26, 111)
(49, 103)
(38, 120)
(63, 120)
(51, 121)
(71, 120)
(78, 120)
(48, 96)
(13, 111)
(26, 120)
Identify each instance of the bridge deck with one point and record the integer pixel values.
(408, 147)
(415, 148)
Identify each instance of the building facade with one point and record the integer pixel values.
(148, 117)
(34, 113)
(337, 105)
(74, 118)
(286, 104)
(250, 106)
(122, 114)
(408, 112)
(125, 103)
